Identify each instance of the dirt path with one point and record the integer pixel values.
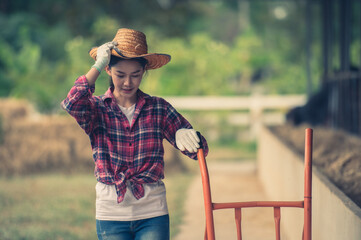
(230, 182)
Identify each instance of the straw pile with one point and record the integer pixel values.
(336, 153)
(32, 143)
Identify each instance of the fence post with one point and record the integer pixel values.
(256, 110)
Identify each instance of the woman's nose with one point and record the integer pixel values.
(127, 81)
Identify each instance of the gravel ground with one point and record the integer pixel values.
(230, 181)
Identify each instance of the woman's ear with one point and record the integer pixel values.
(108, 70)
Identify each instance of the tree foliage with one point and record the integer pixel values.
(215, 49)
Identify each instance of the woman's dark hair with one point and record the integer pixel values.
(114, 60)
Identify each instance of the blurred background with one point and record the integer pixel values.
(259, 59)
(217, 47)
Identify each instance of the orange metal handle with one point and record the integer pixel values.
(308, 184)
(206, 191)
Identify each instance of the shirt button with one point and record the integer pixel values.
(130, 144)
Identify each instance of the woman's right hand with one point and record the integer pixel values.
(103, 55)
(187, 139)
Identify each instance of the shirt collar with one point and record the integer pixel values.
(108, 96)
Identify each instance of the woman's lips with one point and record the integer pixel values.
(127, 90)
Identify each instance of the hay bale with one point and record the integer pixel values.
(34, 143)
(15, 109)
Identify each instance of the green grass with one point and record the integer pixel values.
(47, 207)
(232, 150)
(55, 206)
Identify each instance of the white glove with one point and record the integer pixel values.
(187, 139)
(103, 55)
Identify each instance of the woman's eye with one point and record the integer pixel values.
(120, 76)
(136, 76)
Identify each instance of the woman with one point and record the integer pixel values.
(126, 128)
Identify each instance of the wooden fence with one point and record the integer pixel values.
(258, 109)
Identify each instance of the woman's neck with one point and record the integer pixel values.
(125, 101)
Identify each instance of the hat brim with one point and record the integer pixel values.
(154, 60)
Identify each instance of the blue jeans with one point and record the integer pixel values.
(156, 228)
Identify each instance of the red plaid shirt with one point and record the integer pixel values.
(124, 152)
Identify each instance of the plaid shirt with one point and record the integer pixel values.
(124, 152)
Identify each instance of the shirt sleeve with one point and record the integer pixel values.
(175, 121)
(79, 103)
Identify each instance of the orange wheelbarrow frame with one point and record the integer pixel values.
(306, 203)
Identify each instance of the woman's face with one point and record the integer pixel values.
(127, 76)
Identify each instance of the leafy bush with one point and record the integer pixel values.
(40, 64)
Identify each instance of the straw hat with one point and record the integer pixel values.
(133, 44)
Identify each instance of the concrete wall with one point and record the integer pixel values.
(334, 215)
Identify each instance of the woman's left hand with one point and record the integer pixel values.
(187, 139)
